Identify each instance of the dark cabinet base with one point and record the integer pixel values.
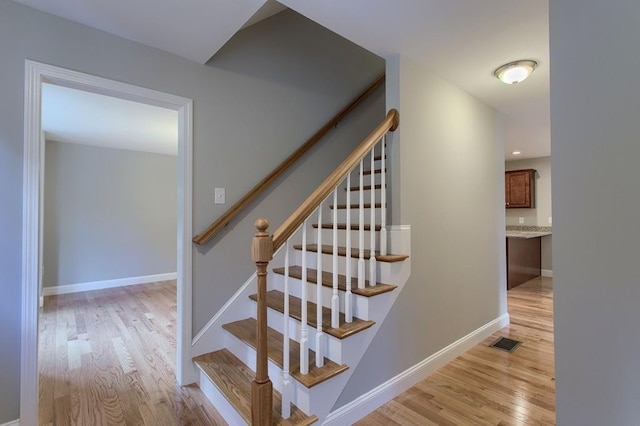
(523, 260)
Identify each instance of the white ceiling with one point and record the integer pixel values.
(74, 116)
(461, 40)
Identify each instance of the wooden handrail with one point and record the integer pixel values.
(390, 123)
(223, 220)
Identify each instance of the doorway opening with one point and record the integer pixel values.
(37, 74)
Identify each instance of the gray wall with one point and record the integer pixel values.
(595, 125)
(109, 213)
(538, 216)
(272, 87)
(446, 160)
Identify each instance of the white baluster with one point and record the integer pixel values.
(304, 331)
(348, 307)
(372, 223)
(286, 382)
(360, 232)
(335, 300)
(383, 200)
(319, 334)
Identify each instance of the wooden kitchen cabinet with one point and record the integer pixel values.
(519, 189)
(524, 258)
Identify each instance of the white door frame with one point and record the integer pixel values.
(35, 74)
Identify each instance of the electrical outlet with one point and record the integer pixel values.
(219, 196)
(521, 220)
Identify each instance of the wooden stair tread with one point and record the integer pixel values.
(355, 206)
(368, 172)
(275, 300)
(342, 251)
(233, 378)
(364, 188)
(343, 226)
(327, 281)
(245, 330)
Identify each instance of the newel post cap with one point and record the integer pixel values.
(262, 246)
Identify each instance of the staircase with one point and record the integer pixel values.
(336, 272)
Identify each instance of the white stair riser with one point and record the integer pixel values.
(354, 215)
(327, 238)
(360, 303)
(384, 269)
(245, 353)
(333, 345)
(224, 407)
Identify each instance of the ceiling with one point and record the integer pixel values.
(461, 40)
(75, 116)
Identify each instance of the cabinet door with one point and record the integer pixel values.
(519, 189)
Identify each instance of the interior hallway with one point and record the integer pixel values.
(487, 386)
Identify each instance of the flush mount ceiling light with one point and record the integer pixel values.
(515, 72)
(516, 153)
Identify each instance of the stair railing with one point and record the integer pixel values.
(264, 245)
(231, 213)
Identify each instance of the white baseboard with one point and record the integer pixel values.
(13, 423)
(363, 405)
(547, 273)
(99, 285)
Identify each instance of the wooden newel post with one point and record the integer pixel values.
(261, 388)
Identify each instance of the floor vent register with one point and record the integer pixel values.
(506, 344)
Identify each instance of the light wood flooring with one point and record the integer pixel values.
(107, 357)
(487, 386)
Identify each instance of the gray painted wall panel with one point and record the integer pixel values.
(109, 213)
(448, 184)
(247, 118)
(595, 105)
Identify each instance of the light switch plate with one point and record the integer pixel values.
(549, 220)
(219, 196)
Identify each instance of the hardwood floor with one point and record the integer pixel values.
(486, 386)
(107, 357)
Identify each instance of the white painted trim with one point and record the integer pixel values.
(99, 285)
(399, 228)
(13, 423)
(35, 74)
(547, 272)
(201, 334)
(363, 405)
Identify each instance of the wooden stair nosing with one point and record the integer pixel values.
(364, 188)
(233, 378)
(342, 251)
(343, 226)
(245, 330)
(327, 281)
(355, 206)
(275, 301)
(368, 172)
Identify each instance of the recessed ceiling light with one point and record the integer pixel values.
(516, 153)
(515, 72)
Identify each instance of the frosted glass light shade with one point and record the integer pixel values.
(515, 72)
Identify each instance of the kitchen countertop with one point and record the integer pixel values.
(527, 231)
